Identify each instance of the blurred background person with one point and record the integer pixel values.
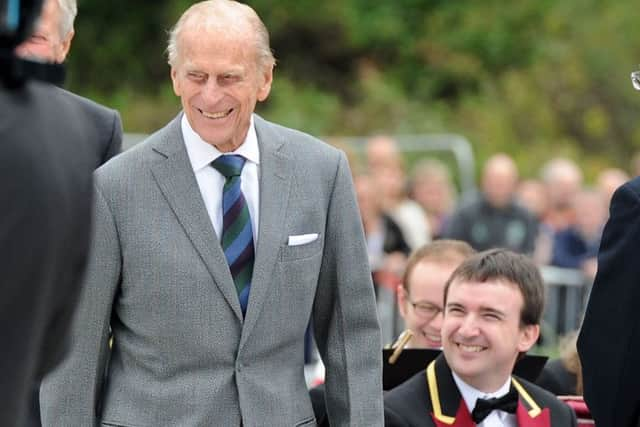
(433, 189)
(533, 196)
(562, 376)
(50, 42)
(387, 250)
(421, 294)
(577, 245)
(45, 215)
(609, 180)
(563, 179)
(387, 169)
(494, 219)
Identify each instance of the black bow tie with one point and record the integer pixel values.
(507, 403)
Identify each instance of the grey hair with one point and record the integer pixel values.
(68, 12)
(217, 14)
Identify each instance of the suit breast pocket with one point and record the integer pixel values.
(296, 252)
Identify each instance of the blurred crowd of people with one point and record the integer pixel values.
(556, 218)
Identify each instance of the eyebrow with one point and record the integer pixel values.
(483, 310)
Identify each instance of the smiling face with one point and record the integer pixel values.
(482, 333)
(219, 81)
(425, 289)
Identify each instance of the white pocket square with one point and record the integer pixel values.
(302, 239)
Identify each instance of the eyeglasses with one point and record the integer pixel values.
(425, 309)
(635, 80)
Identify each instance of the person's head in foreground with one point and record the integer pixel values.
(493, 303)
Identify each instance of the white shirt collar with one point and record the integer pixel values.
(471, 394)
(201, 153)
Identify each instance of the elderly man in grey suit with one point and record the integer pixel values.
(216, 241)
(50, 42)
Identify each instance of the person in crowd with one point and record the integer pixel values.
(563, 179)
(609, 180)
(421, 294)
(51, 42)
(493, 303)
(532, 194)
(45, 216)
(608, 343)
(577, 246)
(387, 169)
(563, 376)
(386, 245)
(495, 219)
(215, 242)
(433, 189)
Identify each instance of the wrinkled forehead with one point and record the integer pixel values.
(216, 41)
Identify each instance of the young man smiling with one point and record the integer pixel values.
(493, 304)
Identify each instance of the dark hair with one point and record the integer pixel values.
(440, 252)
(507, 266)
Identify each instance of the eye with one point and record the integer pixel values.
(491, 316)
(228, 78)
(38, 38)
(455, 310)
(196, 77)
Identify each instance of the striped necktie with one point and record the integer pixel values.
(237, 235)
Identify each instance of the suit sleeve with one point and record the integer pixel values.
(114, 145)
(70, 395)
(608, 342)
(345, 317)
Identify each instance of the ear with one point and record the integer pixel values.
(264, 87)
(402, 300)
(176, 81)
(528, 336)
(65, 45)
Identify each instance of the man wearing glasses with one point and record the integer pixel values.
(421, 293)
(609, 341)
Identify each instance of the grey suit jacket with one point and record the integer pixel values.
(182, 354)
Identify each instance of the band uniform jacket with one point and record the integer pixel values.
(431, 399)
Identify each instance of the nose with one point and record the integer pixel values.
(436, 322)
(212, 91)
(468, 327)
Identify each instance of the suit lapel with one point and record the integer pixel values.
(529, 413)
(447, 406)
(275, 167)
(174, 175)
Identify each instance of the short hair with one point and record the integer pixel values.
(507, 266)
(440, 252)
(212, 14)
(68, 12)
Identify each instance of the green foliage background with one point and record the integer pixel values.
(533, 78)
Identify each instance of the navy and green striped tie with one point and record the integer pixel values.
(237, 235)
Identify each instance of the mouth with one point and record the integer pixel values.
(471, 348)
(215, 115)
(434, 338)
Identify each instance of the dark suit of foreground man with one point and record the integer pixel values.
(50, 42)
(492, 308)
(45, 201)
(609, 341)
(184, 353)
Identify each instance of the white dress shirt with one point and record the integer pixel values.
(211, 182)
(496, 418)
